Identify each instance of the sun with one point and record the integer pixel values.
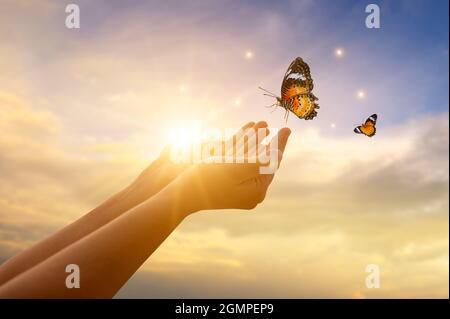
(183, 134)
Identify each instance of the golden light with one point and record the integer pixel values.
(237, 102)
(339, 52)
(212, 114)
(184, 134)
(249, 54)
(361, 94)
(332, 125)
(182, 88)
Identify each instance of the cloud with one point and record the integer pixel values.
(48, 180)
(84, 111)
(336, 205)
(383, 201)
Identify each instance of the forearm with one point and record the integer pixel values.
(107, 257)
(103, 214)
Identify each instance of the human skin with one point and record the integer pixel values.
(154, 178)
(110, 243)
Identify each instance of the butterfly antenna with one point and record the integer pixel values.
(269, 93)
(276, 106)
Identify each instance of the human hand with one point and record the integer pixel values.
(153, 178)
(228, 185)
(161, 172)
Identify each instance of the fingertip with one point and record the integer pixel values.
(283, 136)
(261, 124)
(286, 131)
(248, 125)
(166, 151)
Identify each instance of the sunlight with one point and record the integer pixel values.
(339, 52)
(361, 94)
(249, 55)
(183, 134)
(182, 88)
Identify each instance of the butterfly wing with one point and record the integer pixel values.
(296, 90)
(372, 120)
(304, 106)
(296, 80)
(368, 128)
(291, 88)
(298, 69)
(357, 130)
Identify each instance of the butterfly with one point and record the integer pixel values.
(368, 128)
(296, 92)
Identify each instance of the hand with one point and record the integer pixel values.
(227, 185)
(153, 178)
(158, 175)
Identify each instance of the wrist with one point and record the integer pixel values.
(182, 195)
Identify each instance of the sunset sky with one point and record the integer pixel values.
(83, 111)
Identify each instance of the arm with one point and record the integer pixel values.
(108, 256)
(154, 178)
(149, 182)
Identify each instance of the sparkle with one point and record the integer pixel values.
(333, 125)
(339, 52)
(182, 88)
(249, 54)
(237, 102)
(361, 94)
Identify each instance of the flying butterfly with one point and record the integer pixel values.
(368, 128)
(296, 92)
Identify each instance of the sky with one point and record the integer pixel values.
(83, 111)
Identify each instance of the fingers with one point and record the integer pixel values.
(240, 140)
(225, 144)
(261, 132)
(281, 141)
(247, 142)
(250, 134)
(163, 157)
(243, 129)
(266, 179)
(283, 136)
(165, 152)
(247, 126)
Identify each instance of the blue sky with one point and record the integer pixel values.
(83, 111)
(403, 66)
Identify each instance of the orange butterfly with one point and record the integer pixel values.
(296, 91)
(368, 128)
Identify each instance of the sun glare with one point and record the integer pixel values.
(184, 134)
(182, 88)
(339, 52)
(361, 94)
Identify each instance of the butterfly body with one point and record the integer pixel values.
(296, 91)
(368, 128)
